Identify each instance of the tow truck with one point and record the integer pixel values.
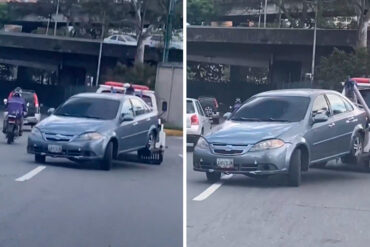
(357, 90)
(149, 97)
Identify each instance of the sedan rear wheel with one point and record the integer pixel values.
(295, 168)
(356, 151)
(40, 158)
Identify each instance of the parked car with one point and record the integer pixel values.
(154, 41)
(122, 39)
(197, 123)
(95, 127)
(210, 107)
(33, 116)
(283, 132)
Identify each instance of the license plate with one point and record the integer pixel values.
(55, 148)
(225, 163)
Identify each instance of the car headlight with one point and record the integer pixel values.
(36, 132)
(91, 136)
(268, 144)
(202, 143)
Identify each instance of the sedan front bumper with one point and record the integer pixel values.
(268, 162)
(78, 150)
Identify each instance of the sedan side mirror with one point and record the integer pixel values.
(320, 118)
(51, 111)
(5, 101)
(164, 106)
(127, 117)
(227, 115)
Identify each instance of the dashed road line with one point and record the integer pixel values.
(30, 174)
(211, 189)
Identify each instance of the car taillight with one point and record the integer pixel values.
(216, 104)
(194, 120)
(36, 100)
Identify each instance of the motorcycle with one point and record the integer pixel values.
(13, 126)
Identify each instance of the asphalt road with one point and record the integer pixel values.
(67, 205)
(330, 208)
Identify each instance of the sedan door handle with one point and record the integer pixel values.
(135, 123)
(331, 125)
(351, 120)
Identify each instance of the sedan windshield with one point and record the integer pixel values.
(273, 108)
(81, 107)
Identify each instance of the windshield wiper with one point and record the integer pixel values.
(247, 119)
(92, 117)
(276, 120)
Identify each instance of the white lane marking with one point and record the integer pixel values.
(31, 174)
(211, 189)
(180, 155)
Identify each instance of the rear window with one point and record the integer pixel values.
(28, 97)
(189, 107)
(273, 108)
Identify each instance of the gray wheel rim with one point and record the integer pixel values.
(357, 147)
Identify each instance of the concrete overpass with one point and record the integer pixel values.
(72, 58)
(287, 52)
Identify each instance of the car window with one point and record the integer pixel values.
(273, 108)
(199, 108)
(366, 95)
(139, 107)
(120, 38)
(349, 106)
(337, 104)
(83, 107)
(127, 108)
(113, 38)
(131, 39)
(320, 106)
(190, 107)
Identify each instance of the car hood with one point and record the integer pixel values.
(244, 133)
(72, 126)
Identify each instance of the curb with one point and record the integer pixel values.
(170, 132)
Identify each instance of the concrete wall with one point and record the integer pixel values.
(169, 87)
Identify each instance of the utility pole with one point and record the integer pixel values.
(259, 16)
(168, 34)
(56, 18)
(265, 15)
(100, 51)
(314, 45)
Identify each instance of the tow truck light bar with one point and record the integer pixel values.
(126, 85)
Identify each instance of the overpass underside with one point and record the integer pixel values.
(285, 63)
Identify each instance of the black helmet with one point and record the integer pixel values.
(17, 92)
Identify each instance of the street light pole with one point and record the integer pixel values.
(100, 51)
(168, 34)
(265, 15)
(55, 18)
(314, 46)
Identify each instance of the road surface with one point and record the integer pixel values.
(330, 208)
(63, 204)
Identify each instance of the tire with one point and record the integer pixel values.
(106, 163)
(295, 166)
(356, 151)
(40, 158)
(213, 176)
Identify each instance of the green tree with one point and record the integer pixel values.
(340, 64)
(200, 11)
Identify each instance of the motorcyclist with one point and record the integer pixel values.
(16, 105)
(237, 104)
